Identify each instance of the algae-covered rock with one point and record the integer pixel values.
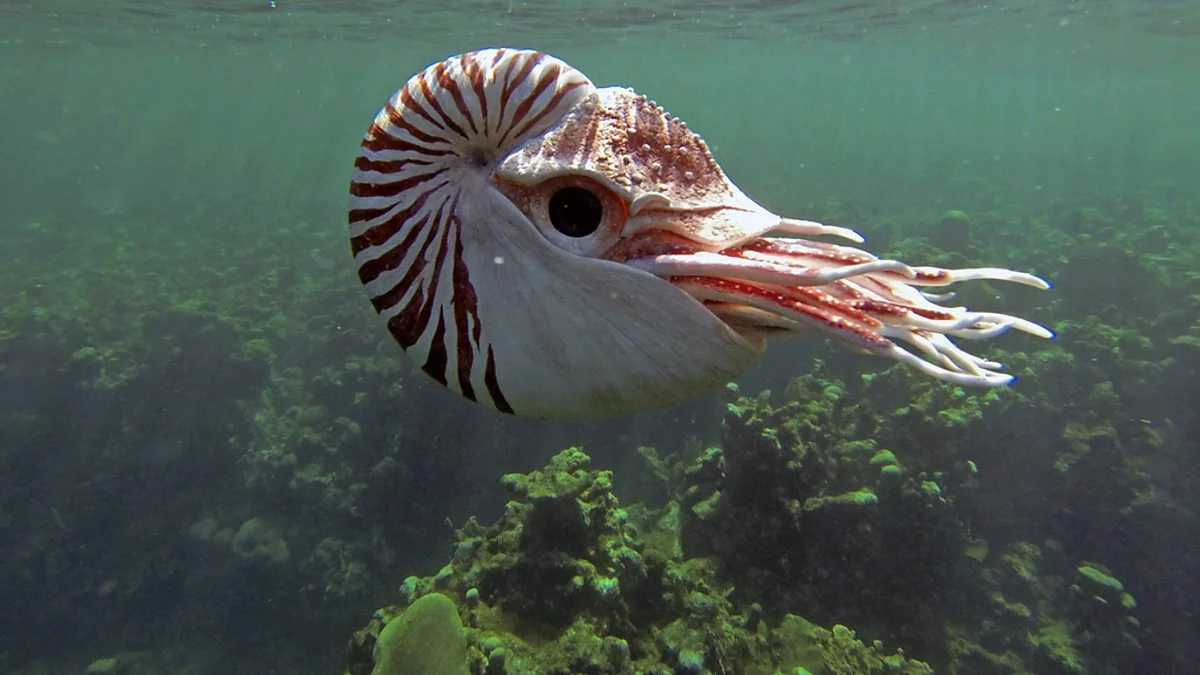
(852, 498)
(125, 663)
(954, 231)
(976, 549)
(258, 540)
(884, 458)
(1100, 612)
(107, 666)
(1037, 623)
(1098, 580)
(802, 515)
(203, 529)
(426, 639)
(805, 647)
(563, 548)
(564, 582)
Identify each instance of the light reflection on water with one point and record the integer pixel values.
(207, 23)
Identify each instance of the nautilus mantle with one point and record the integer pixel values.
(553, 249)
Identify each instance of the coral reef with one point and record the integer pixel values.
(160, 397)
(792, 522)
(566, 581)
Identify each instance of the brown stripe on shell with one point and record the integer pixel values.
(554, 101)
(389, 165)
(431, 99)
(420, 320)
(410, 103)
(475, 74)
(493, 385)
(394, 188)
(403, 326)
(390, 260)
(381, 233)
(403, 208)
(511, 84)
(384, 141)
(435, 363)
(526, 105)
(396, 118)
(466, 304)
(450, 84)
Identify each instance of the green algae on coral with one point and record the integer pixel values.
(884, 458)
(564, 583)
(976, 549)
(953, 231)
(890, 472)
(1056, 651)
(426, 639)
(806, 647)
(852, 498)
(105, 666)
(258, 540)
(1100, 578)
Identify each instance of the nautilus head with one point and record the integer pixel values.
(553, 249)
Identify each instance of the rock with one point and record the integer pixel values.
(109, 666)
(884, 458)
(223, 537)
(426, 639)
(203, 529)
(258, 540)
(472, 596)
(954, 232)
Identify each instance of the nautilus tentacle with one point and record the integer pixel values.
(553, 249)
(861, 300)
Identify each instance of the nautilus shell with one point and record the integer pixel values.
(553, 249)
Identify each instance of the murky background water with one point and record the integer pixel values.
(183, 342)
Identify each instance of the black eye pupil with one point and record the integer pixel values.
(575, 212)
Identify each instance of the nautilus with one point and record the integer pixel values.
(554, 249)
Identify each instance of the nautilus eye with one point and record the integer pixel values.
(554, 249)
(578, 214)
(575, 211)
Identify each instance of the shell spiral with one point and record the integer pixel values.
(435, 138)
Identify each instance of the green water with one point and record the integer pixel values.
(203, 109)
(182, 335)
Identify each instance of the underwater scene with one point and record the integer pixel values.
(666, 338)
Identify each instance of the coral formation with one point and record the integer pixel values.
(765, 538)
(258, 540)
(566, 581)
(953, 231)
(157, 399)
(425, 639)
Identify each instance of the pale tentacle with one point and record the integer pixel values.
(976, 274)
(808, 228)
(766, 272)
(794, 285)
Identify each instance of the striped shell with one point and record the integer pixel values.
(445, 226)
